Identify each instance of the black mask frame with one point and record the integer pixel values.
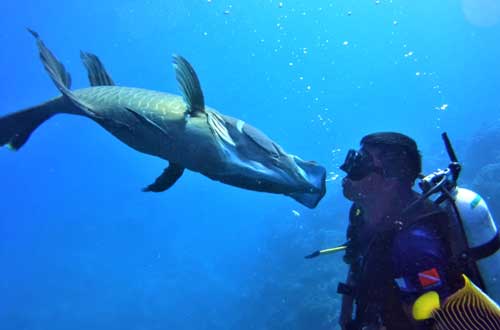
(359, 164)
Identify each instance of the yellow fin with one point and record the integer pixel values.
(468, 308)
(425, 305)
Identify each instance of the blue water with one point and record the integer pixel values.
(81, 247)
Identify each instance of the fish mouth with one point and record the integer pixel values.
(315, 177)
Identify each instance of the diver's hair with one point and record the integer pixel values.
(399, 154)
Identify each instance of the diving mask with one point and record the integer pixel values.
(359, 164)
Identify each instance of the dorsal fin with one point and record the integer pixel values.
(96, 71)
(190, 85)
(60, 77)
(55, 68)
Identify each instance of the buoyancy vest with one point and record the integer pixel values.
(376, 296)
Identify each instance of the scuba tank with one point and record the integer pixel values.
(480, 230)
(474, 238)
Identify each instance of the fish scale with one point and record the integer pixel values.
(147, 102)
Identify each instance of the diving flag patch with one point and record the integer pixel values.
(429, 278)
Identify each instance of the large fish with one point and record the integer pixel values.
(179, 129)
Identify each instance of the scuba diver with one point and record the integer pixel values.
(413, 262)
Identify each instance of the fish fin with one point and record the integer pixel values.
(147, 121)
(59, 76)
(190, 85)
(217, 125)
(468, 308)
(96, 71)
(52, 65)
(167, 179)
(16, 128)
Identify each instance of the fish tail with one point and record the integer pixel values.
(16, 128)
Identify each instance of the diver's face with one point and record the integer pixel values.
(364, 190)
(364, 179)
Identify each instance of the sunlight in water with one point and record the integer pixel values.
(483, 13)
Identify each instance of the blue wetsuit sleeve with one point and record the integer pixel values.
(420, 262)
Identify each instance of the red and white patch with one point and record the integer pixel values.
(429, 278)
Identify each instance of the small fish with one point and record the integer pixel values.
(468, 308)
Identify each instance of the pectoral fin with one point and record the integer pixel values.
(217, 125)
(167, 179)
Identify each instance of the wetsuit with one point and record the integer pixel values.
(395, 263)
